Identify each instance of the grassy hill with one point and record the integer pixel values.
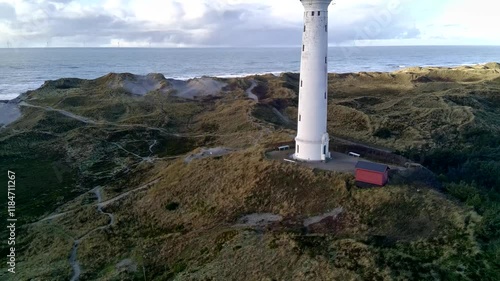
(179, 220)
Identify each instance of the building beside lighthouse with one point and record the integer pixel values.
(312, 138)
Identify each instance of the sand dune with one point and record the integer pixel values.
(144, 84)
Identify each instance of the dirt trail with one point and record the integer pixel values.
(263, 130)
(121, 147)
(63, 112)
(55, 216)
(151, 147)
(258, 219)
(312, 220)
(109, 201)
(73, 258)
(93, 122)
(249, 92)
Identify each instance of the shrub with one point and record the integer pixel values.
(383, 133)
(489, 228)
(465, 192)
(172, 206)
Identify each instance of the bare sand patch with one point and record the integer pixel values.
(139, 84)
(144, 84)
(197, 87)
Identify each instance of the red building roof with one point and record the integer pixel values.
(372, 173)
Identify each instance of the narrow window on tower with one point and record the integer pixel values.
(326, 60)
(301, 83)
(298, 149)
(304, 28)
(313, 14)
(326, 27)
(319, 13)
(324, 150)
(303, 47)
(300, 117)
(325, 95)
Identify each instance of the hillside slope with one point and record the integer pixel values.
(103, 163)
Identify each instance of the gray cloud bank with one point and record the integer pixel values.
(236, 25)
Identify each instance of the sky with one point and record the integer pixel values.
(243, 23)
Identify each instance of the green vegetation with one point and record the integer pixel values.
(179, 220)
(470, 170)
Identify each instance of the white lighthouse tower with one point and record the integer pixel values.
(312, 138)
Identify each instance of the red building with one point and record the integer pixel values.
(372, 173)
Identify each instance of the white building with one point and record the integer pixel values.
(312, 138)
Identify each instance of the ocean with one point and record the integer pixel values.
(27, 69)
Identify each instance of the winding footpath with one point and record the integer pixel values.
(99, 205)
(73, 260)
(93, 122)
(254, 121)
(249, 92)
(151, 147)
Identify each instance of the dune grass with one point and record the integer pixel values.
(182, 226)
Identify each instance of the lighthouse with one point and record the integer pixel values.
(312, 138)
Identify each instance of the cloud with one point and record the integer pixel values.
(7, 12)
(373, 21)
(170, 23)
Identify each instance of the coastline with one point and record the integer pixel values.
(398, 69)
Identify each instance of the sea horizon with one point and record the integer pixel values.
(243, 47)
